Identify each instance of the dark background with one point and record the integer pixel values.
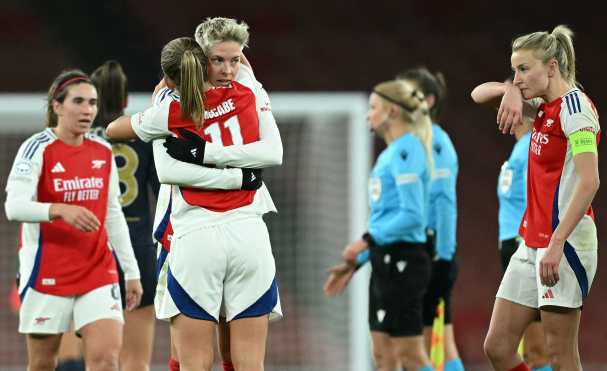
(344, 46)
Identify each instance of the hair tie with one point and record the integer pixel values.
(391, 100)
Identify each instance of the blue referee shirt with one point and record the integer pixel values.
(398, 193)
(442, 211)
(512, 189)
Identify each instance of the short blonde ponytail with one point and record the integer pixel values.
(557, 45)
(414, 109)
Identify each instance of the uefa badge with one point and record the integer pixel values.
(374, 189)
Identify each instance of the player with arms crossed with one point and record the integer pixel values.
(63, 188)
(553, 267)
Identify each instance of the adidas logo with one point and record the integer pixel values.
(548, 294)
(58, 168)
(193, 151)
(253, 177)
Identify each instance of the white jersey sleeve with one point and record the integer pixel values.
(577, 113)
(171, 171)
(22, 185)
(153, 122)
(117, 229)
(263, 153)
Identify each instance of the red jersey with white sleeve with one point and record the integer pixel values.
(231, 120)
(55, 257)
(551, 177)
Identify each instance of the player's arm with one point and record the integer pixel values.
(260, 154)
(122, 127)
(580, 125)
(586, 168)
(118, 237)
(22, 188)
(175, 172)
(585, 160)
(265, 152)
(508, 100)
(118, 230)
(147, 125)
(153, 181)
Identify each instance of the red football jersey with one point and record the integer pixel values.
(551, 177)
(231, 118)
(65, 261)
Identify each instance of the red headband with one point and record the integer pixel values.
(69, 81)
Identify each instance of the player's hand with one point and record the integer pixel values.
(549, 264)
(133, 293)
(78, 217)
(252, 179)
(339, 277)
(352, 250)
(190, 148)
(510, 112)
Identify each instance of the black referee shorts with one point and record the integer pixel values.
(444, 274)
(507, 249)
(399, 279)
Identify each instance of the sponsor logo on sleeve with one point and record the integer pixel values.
(23, 167)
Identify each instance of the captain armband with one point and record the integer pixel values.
(583, 141)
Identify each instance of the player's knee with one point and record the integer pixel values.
(494, 348)
(135, 364)
(247, 363)
(411, 358)
(384, 359)
(102, 361)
